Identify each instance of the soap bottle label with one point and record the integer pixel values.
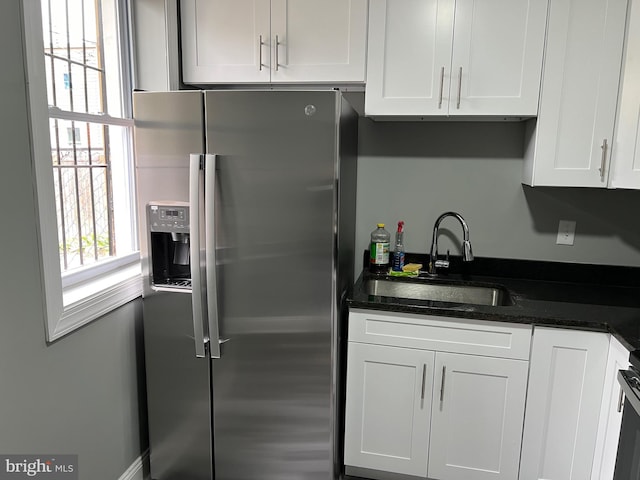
(380, 253)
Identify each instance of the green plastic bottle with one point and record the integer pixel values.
(379, 248)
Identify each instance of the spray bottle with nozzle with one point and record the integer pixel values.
(398, 254)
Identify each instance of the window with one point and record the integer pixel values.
(83, 157)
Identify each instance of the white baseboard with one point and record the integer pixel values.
(137, 468)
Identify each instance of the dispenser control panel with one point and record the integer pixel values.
(168, 218)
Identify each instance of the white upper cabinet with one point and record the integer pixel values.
(225, 41)
(625, 163)
(446, 57)
(570, 143)
(283, 41)
(409, 57)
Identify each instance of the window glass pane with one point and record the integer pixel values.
(78, 89)
(84, 72)
(94, 100)
(112, 64)
(61, 84)
(91, 161)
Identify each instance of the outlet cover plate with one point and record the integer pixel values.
(566, 232)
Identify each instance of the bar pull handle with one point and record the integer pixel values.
(277, 61)
(603, 162)
(198, 293)
(444, 372)
(260, 53)
(424, 382)
(459, 88)
(210, 163)
(620, 400)
(441, 87)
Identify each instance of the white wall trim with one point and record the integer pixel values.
(64, 310)
(137, 468)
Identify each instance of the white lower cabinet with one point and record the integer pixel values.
(388, 408)
(442, 413)
(566, 383)
(457, 399)
(476, 423)
(604, 460)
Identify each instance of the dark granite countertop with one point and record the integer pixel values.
(579, 296)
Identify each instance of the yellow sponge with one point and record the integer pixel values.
(412, 267)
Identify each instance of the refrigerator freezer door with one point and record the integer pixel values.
(169, 127)
(275, 223)
(178, 391)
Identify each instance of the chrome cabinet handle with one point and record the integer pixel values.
(441, 87)
(459, 88)
(210, 253)
(444, 372)
(424, 381)
(197, 295)
(260, 53)
(277, 48)
(603, 162)
(620, 401)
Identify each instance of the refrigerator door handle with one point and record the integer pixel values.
(210, 163)
(197, 295)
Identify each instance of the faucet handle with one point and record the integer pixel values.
(443, 263)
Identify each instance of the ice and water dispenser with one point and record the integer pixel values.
(169, 261)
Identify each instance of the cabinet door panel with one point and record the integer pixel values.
(579, 92)
(604, 461)
(498, 44)
(409, 57)
(563, 405)
(319, 41)
(478, 407)
(626, 149)
(221, 41)
(388, 408)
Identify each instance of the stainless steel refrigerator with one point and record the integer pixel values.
(249, 197)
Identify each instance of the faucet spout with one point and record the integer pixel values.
(467, 252)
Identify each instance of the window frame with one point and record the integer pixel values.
(100, 288)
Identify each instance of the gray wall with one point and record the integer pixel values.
(415, 171)
(81, 394)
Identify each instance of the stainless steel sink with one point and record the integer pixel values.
(438, 292)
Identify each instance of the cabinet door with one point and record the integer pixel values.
(574, 129)
(497, 57)
(604, 460)
(477, 415)
(318, 41)
(409, 57)
(566, 379)
(625, 161)
(225, 41)
(388, 408)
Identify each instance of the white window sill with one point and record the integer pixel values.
(89, 300)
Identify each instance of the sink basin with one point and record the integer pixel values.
(439, 292)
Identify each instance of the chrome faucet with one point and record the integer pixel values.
(467, 254)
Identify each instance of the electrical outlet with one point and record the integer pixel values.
(566, 232)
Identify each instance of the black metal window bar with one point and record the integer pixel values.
(80, 154)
